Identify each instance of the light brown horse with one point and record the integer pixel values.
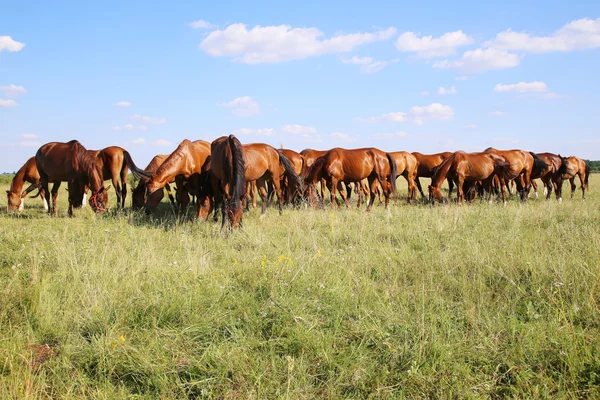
(426, 164)
(16, 195)
(464, 167)
(407, 166)
(113, 162)
(139, 192)
(70, 162)
(310, 157)
(187, 160)
(574, 166)
(347, 166)
(227, 168)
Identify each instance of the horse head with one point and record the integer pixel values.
(435, 194)
(99, 199)
(15, 202)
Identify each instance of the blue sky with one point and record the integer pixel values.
(433, 76)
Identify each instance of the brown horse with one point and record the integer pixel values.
(522, 165)
(575, 166)
(139, 192)
(310, 157)
(347, 166)
(299, 163)
(227, 168)
(113, 162)
(16, 195)
(187, 160)
(426, 167)
(550, 176)
(464, 167)
(70, 162)
(407, 166)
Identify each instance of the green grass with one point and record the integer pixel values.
(417, 302)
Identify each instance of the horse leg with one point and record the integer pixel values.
(459, 189)
(573, 186)
(261, 185)
(372, 193)
(276, 183)
(332, 186)
(418, 183)
(503, 190)
(582, 181)
(55, 188)
(45, 191)
(534, 184)
(344, 193)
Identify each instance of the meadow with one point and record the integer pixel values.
(416, 301)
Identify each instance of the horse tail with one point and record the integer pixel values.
(393, 171)
(293, 178)
(539, 165)
(304, 170)
(237, 188)
(587, 176)
(137, 172)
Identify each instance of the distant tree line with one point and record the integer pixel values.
(594, 165)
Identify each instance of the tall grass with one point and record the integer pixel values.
(418, 301)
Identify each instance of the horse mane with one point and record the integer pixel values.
(85, 162)
(314, 169)
(19, 178)
(441, 171)
(289, 171)
(238, 167)
(539, 165)
(175, 157)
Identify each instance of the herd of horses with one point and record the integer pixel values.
(225, 174)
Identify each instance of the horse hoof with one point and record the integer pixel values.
(560, 200)
(505, 204)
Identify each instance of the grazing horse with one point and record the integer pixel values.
(113, 162)
(347, 166)
(551, 176)
(426, 167)
(575, 166)
(227, 168)
(310, 157)
(187, 160)
(522, 165)
(70, 162)
(16, 196)
(464, 167)
(407, 166)
(139, 192)
(297, 160)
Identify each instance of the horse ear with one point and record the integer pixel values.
(8, 192)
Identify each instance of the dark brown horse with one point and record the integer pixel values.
(310, 157)
(551, 176)
(138, 194)
(407, 166)
(70, 162)
(299, 163)
(16, 195)
(347, 166)
(187, 160)
(464, 167)
(426, 167)
(227, 168)
(575, 166)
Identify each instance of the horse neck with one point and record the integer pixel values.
(88, 163)
(442, 172)
(168, 169)
(18, 181)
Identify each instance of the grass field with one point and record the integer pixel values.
(418, 302)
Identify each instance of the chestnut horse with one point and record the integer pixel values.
(16, 195)
(551, 176)
(464, 167)
(575, 166)
(139, 192)
(113, 162)
(407, 166)
(70, 162)
(299, 163)
(227, 168)
(187, 160)
(426, 167)
(341, 165)
(310, 157)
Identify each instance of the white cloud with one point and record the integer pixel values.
(122, 104)
(12, 90)
(497, 113)
(390, 135)
(417, 114)
(358, 60)
(522, 87)
(480, 60)
(258, 132)
(299, 129)
(7, 43)
(552, 95)
(162, 143)
(274, 44)
(343, 137)
(201, 24)
(29, 136)
(138, 141)
(368, 65)
(8, 103)
(394, 117)
(576, 35)
(470, 126)
(130, 127)
(242, 106)
(150, 120)
(450, 90)
(429, 47)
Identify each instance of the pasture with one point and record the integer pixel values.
(448, 301)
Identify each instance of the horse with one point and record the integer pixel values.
(59, 162)
(227, 166)
(298, 161)
(407, 166)
(340, 165)
(522, 165)
(464, 167)
(187, 160)
(16, 196)
(551, 176)
(310, 157)
(574, 166)
(139, 192)
(426, 164)
(113, 163)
